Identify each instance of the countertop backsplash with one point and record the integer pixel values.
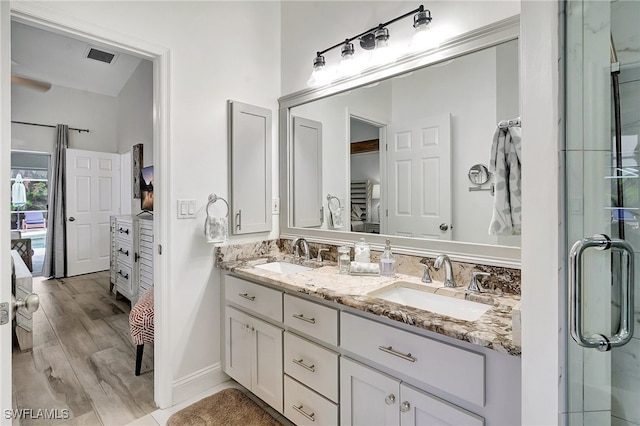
(501, 281)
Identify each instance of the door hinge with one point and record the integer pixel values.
(386, 212)
(159, 248)
(4, 313)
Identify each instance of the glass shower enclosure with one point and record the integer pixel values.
(602, 212)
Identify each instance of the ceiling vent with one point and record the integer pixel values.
(100, 55)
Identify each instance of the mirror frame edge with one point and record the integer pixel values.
(484, 37)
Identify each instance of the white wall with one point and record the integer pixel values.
(135, 118)
(62, 105)
(218, 51)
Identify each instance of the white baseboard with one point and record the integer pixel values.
(197, 382)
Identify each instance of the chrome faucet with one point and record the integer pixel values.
(296, 248)
(449, 281)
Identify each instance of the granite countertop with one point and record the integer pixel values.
(492, 330)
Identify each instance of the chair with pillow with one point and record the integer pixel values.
(33, 220)
(141, 325)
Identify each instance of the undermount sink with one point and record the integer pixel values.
(283, 267)
(407, 294)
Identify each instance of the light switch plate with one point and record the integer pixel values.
(186, 209)
(275, 206)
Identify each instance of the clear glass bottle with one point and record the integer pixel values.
(362, 252)
(344, 259)
(387, 262)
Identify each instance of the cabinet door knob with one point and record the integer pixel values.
(390, 399)
(405, 406)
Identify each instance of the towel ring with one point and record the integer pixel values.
(329, 198)
(212, 199)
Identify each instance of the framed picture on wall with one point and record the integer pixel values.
(146, 189)
(136, 166)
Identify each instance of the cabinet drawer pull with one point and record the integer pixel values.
(390, 399)
(310, 416)
(125, 276)
(390, 350)
(246, 296)
(126, 252)
(302, 317)
(405, 406)
(300, 362)
(121, 230)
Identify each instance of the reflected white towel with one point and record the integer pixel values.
(335, 218)
(505, 166)
(216, 229)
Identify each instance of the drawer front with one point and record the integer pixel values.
(260, 299)
(124, 279)
(124, 251)
(312, 365)
(311, 318)
(124, 229)
(456, 371)
(305, 407)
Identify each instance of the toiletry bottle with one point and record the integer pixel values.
(362, 252)
(344, 259)
(387, 262)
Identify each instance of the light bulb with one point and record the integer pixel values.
(423, 38)
(319, 75)
(349, 66)
(383, 53)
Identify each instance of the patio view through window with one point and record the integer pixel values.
(29, 198)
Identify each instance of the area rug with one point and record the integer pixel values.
(229, 407)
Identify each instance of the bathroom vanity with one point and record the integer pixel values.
(319, 348)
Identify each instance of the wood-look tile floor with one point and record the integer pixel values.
(83, 359)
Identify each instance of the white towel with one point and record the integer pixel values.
(216, 229)
(505, 166)
(335, 218)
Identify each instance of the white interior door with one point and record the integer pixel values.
(92, 196)
(5, 199)
(418, 197)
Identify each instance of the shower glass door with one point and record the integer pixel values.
(602, 197)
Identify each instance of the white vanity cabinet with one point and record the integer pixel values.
(254, 355)
(324, 363)
(370, 398)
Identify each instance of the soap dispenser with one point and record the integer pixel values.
(362, 252)
(387, 262)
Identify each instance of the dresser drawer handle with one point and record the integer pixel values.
(302, 317)
(126, 252)
(389, 350)
(246, 296)
(300, 362)
(121, 230)
(125, 276)
(310, 416)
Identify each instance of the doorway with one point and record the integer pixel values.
(162, 376)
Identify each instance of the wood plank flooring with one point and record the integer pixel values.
(83, 360)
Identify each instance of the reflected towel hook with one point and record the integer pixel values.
(212, 199)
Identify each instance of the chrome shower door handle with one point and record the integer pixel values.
(625, 329)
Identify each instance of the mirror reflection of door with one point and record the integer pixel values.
(366, 175)
(307, 173)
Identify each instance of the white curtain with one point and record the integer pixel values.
(55, 250)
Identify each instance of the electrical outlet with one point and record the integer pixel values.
(275, 206)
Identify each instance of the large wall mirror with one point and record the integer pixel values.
(395, 148)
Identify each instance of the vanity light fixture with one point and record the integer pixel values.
(375, 39)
